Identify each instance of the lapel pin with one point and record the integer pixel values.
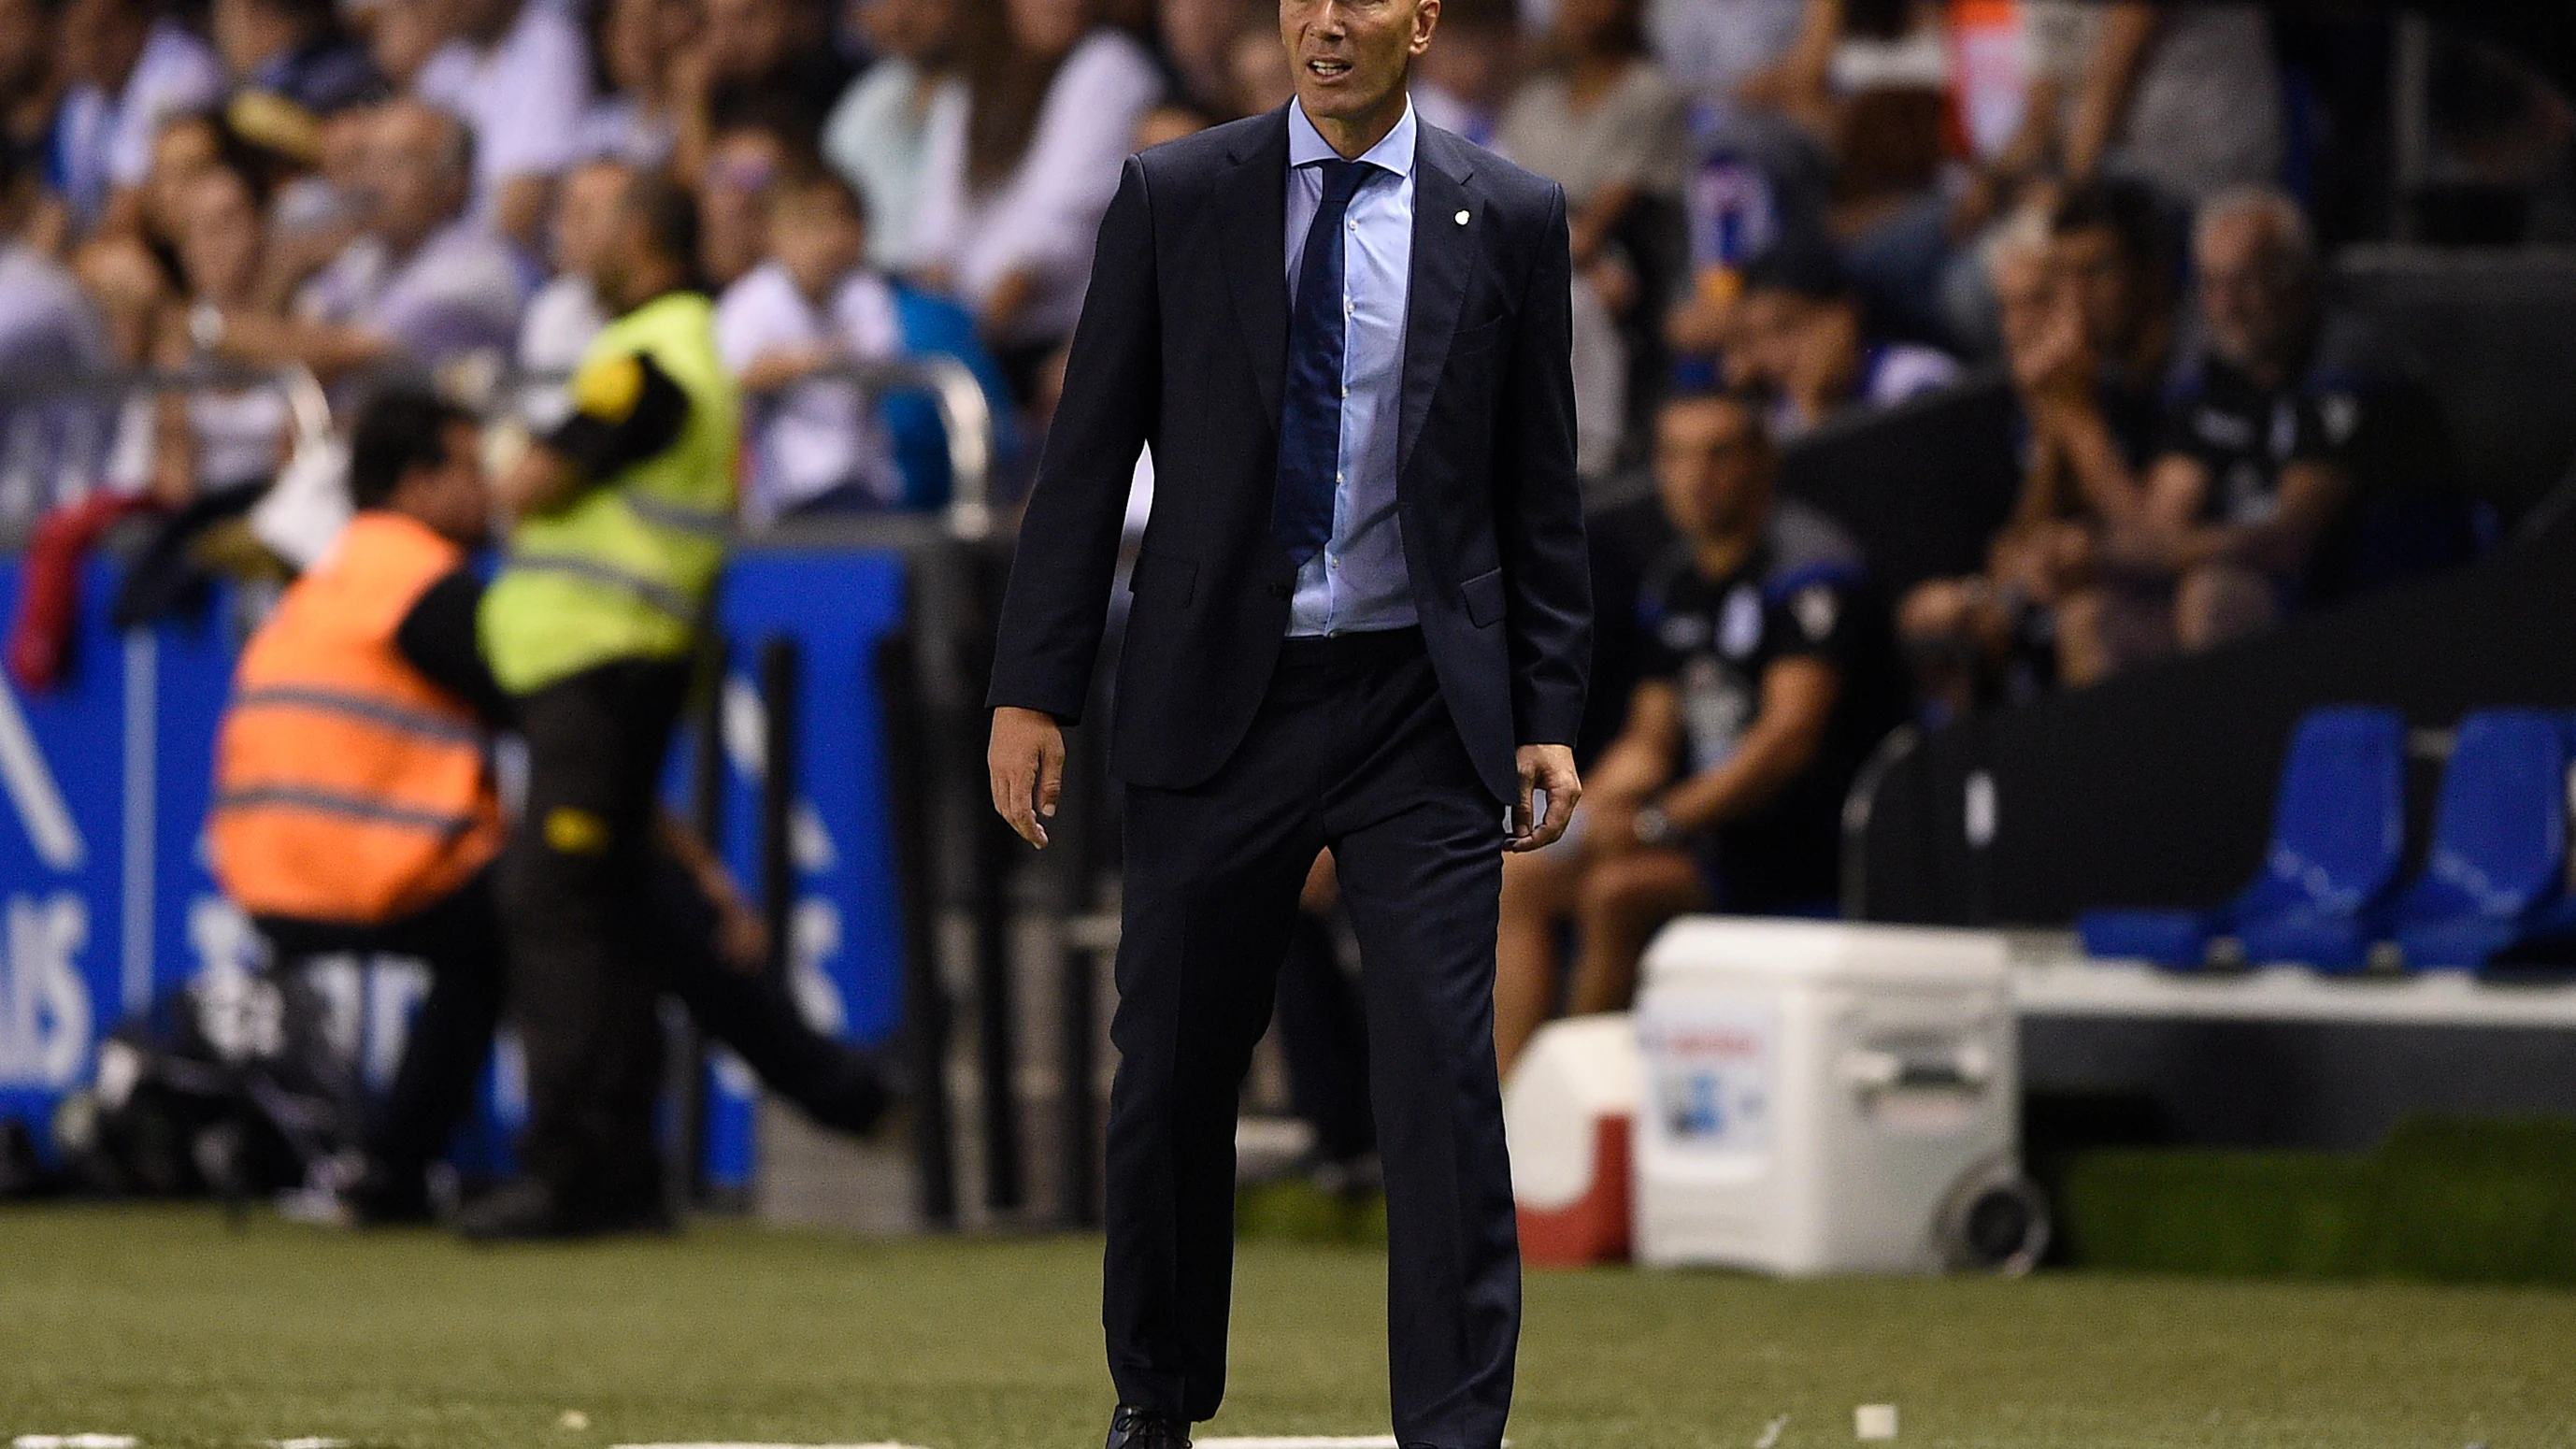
(1462, 218)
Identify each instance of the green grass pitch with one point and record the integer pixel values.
(160, 1322)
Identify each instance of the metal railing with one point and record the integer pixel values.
(479, 381)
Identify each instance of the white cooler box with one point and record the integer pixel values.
(1829, 1098)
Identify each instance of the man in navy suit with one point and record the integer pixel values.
(1361, 623)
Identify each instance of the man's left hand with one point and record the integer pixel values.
(1549, 768)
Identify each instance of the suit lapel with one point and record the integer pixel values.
(1256, 253)
(1444, 263)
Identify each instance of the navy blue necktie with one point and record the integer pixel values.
(1310, 405)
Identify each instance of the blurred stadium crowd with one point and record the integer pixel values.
(1788, 217)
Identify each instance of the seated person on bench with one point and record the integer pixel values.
(1770, 676)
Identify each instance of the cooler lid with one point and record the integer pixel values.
(1696, 949)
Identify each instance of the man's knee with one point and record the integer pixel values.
(1632, 886)
(1536, 884)
(1935, 611)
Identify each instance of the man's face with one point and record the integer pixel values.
(2250, 292)
(1714, 465)
(180, 154)
(454, 499)
(1350, 56)
(219, 236)
(101, 40)
(26, 38)
(816, 237)
(2025, 295)
(919, 30)
(734, 226)
(2107, 291)
(412, 173)
(586, 215)
(482, 18)
(243, 34)
(1048, 27)
(746, 38)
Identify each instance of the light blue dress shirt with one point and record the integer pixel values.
(1359, 581)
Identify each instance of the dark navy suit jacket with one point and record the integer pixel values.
(1181, 347)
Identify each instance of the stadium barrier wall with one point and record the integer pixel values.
(2155, 789)
(106, 902)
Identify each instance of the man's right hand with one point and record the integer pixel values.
(1026, 761)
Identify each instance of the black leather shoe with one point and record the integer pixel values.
(1132, 1428)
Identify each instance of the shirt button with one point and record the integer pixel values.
(1337, 477)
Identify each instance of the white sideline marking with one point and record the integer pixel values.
(764, 1447)
(1306, 1441)
(73, 1441)
(308, 1443)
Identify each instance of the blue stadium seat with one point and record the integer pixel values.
(2338, 829)
(2497, 872)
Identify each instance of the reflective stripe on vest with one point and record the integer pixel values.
(350, 788)
(351, 807)
(679, 518)
(624, 568)
(659, 595)
(357, 706)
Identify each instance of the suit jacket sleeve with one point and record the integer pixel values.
(1538, 504)
(1058, 600)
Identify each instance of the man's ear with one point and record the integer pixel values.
(1426, 18)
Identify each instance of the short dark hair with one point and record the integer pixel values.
(2125, 209)
(669, 214)
(1802, 266)
(1754, 404)
(801, 178)
(398, 429)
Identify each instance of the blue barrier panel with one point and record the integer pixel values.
(845, 954)
(106, 902)
(106, 894)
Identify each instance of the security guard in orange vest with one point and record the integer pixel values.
(355, 810)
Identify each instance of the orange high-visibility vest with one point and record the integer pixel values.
(348, 787)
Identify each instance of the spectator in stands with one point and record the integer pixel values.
(294, 50)
(212, 450)
(518, 72)
(635, 47)
(1263, 81)
(1797, 335)
(1465, 82)
(423, 282)
(1601, 120)
(743, 157)
(2086, 324)
(2184, 96)
(1017, 180)
(131, 68)
(401, 37)
(812, 307)
(1870, 82)
(1196, 38)
(2259, 455)
(879, 134)
(1771, 679)
(774, 58)
(31, 82)
(1712, 47)
(565, 314)
(47, 327)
